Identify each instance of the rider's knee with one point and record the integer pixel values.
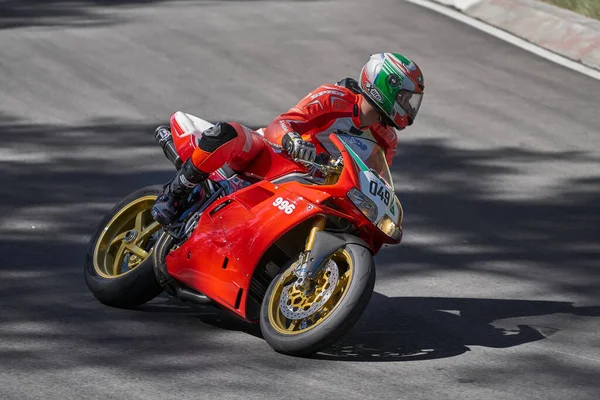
(217, 136)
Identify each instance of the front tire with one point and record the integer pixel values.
(300, 324)
(119, 268)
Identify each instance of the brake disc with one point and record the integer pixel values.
(295, 304)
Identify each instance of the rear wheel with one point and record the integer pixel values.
(299, 323)
(119, 269)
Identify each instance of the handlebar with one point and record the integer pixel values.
(327, 167)
(322, 163)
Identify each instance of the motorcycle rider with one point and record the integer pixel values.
(385, 100)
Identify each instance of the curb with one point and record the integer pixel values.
(560, 31)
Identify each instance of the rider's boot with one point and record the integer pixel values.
(165, 208)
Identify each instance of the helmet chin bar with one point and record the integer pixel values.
(383, 120)
(386, 121)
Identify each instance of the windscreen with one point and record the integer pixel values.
(371, 155)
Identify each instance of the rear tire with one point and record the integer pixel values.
(333, 325)
(104, 273)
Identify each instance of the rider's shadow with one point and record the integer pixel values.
(421, 328)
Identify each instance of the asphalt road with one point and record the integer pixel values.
(494, 294)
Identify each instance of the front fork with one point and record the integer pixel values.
(303, 283)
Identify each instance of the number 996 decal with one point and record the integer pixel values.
(284, 205)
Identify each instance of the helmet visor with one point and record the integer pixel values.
(409, 102)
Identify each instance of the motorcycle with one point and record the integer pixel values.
(287, 243)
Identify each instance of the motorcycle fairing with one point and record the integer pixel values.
(220, 257)
(383, 196)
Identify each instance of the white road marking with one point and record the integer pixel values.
(509, 38)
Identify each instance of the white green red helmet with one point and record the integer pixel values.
(394, 85)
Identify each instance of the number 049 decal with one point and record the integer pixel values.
(284, 205)
(379, 190)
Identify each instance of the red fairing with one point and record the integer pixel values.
(220, 257)
(231, 229)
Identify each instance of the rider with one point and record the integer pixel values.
(385, 99)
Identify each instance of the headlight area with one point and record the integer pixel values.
(363, 203)
(400, 210)
(389, 227)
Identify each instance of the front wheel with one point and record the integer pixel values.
(298, 323)
(119, 269)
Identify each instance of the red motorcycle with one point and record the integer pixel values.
(287, 243)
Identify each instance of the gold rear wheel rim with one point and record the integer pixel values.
(125, 240)
(287, 326)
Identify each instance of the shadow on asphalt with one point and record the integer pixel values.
(58, 181)
(209, 315)
(395, 329)
(424, 328)
(38, 13)
(550, 238)
(78, 13)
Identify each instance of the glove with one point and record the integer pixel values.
(296, 147)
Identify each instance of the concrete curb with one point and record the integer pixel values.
(561, 31)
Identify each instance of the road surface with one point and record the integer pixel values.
(494, 293)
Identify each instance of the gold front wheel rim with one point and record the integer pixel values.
(125, 241)
(287, 326)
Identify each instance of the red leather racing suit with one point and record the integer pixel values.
(325, 110)
(322, 112)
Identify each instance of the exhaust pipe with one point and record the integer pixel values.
(163, 136)
(192, 296)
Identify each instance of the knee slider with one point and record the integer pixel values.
(217, 136)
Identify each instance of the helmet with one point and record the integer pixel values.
(394, 85)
